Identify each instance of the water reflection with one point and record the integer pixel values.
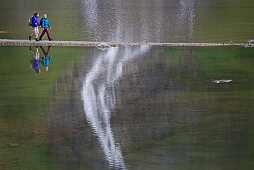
(35, 62)
(45, 60)
(149, 109)
(99, 98)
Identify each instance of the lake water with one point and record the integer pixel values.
(127, 108)
(140, 107)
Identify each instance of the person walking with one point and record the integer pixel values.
(45, 25)
(35, 25)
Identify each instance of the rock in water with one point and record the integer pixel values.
(103, 46)
(221, 81)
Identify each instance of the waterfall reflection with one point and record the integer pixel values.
(99, 98)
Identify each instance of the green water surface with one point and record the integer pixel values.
(168, 115)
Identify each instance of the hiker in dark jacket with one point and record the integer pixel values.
(45, 25)
(35, 25)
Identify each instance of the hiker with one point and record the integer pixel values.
(35, 63)
(35, 24)
(46, 59)
(45, 25)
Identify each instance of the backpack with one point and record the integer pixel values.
(30, 21)
(41, 21)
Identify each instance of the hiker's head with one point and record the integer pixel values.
(36, 14)
(45, 16)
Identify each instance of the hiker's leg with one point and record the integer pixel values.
(47, 31)
(36, 32)
(48, 51)
(43, 50)
(42, 34)
(30, 36)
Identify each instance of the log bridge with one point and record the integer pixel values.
(9, 42)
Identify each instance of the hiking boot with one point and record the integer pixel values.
(36, 39)
(40, 39)
(29, 37)
(50, 39)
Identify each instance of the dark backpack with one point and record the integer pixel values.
(41, 21)
(30, 21)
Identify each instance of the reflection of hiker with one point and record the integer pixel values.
(35, 26)
(46, 59)
(35, 63)
(45, 25)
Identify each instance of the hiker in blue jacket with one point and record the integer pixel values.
(35, 25)
(45, 25)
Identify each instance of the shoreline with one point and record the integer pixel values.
(9, 42)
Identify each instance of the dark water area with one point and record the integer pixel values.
(128, 108)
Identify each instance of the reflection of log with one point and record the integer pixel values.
(6, 42)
